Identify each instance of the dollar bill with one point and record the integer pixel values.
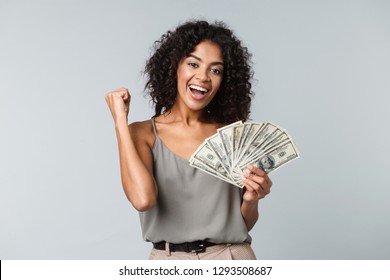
(227, 153)
(253, 152)
(243, 137)
(209, 158)
(237, 132)
(226, 134)
(200, 165)
(216, 144)
(266, 133)
(248, 138)
(274, 158)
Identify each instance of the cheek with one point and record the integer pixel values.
(217, 83)
(181, 71)
(181, 79)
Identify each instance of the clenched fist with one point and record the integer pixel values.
(119, 102)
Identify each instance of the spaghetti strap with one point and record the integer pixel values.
(154, 127)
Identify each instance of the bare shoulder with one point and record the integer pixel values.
(141, 125)
(142, 132)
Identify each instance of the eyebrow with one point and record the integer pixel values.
(212, 63)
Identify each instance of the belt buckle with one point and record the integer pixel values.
(200, 248)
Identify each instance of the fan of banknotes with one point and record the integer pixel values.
(227, 153)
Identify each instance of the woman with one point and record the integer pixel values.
(199, 80)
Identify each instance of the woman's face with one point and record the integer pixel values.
(199, 76)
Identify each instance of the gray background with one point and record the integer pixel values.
(322, 70)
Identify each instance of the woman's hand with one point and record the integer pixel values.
(119, 102)
(257, 184)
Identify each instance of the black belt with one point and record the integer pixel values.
(196, 246)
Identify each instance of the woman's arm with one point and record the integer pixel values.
(136, 164)
(257, 186)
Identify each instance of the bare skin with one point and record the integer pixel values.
(184, 124)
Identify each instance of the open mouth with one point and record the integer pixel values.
(197, 90)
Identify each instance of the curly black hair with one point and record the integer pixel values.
(233, 99)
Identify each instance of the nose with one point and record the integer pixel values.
(202, 74)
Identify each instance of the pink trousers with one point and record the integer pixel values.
(242, 251)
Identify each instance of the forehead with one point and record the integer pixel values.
(208, 50)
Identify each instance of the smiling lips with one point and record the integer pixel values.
(198, 92)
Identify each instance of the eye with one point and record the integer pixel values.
(193, 65)
(216, 71)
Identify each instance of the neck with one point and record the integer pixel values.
(184, 115)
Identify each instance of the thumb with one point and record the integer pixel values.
(126, 98)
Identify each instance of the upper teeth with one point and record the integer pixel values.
(198, 88)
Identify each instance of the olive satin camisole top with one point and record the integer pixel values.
(191, 204)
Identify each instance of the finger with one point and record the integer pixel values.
(249, 187)
(126, 95)
(127, 99)
(251, 196)
(259, 172)
(257, 179)
(252, 191)
(118, 92)
(119, 102)
(250, 183)
(122, 93)
(254, 169)
(259, 184)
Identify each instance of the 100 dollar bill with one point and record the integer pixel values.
(227, 153)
